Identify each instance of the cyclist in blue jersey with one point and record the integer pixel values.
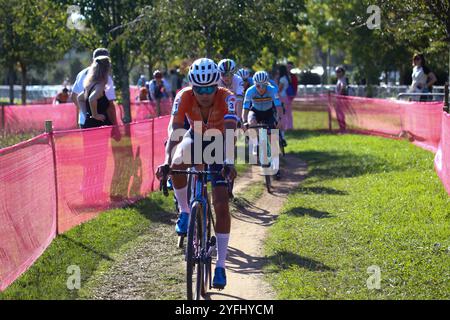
(260, 100)
(262, 105)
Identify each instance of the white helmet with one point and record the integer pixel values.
(261, 77)
(203, 73)
(227, 66)
(243, 73)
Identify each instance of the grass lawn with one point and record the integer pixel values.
(7, 140)
(87, 246)
(366, 201)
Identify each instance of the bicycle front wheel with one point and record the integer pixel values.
(194, 265)
(268, 182)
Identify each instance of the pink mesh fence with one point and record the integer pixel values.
(418, 121)
(134, 93)
(30, 118)
(373, 116)
(96, 169)
(423, 123)
(160, 136)
(317, 103)
(27, 205)
(145, 110)
(442, 158)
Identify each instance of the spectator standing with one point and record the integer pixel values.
(97, 104)
(422, 77)
(342, 82)
(283, 85)
(159, 89)
(291, 93)
(78, 88)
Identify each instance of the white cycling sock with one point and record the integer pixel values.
(182, 198)
(222, 248)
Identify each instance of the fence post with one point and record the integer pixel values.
(446, 102)
(49, 131)
(330, 119)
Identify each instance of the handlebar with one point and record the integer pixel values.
(163, 181)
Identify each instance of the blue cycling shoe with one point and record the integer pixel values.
(182, 224)
(220, 278)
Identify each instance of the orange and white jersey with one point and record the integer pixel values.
(185, 105)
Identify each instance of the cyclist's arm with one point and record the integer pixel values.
(239, 93)
(176, 122)
(173, 139)
(246, 107)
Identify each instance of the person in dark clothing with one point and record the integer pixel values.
(97, 103)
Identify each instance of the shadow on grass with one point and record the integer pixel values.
(299, 211)
(245, 210)
(86, 248)
(330, 165)
(338, 164)
(157, 208)
(321, 190)
(285, 260)
(243, 263)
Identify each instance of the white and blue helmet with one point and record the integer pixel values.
(243, 73)
(261, 77)
(204, 73)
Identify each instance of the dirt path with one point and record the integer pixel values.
(152, 267)
(248, 231)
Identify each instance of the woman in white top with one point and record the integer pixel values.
(342, 83)
(283, 84)
(422, 78)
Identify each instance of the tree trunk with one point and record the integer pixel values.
(11, 80)
(449, 62)
(120, 57)
(23, 70)
(323, 60)
(208, 43)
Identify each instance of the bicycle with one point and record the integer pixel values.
(265, 159)
(201, 243)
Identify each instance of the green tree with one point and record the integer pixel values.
(35, 35)
(108, 24)
(422, 25)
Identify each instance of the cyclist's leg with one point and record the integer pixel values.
(182, 160)
(253, 121)
(223, 224)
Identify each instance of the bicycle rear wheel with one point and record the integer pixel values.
(194, 265)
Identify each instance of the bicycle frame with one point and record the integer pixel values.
(201, 196)
(263, 137)
(202, 249)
